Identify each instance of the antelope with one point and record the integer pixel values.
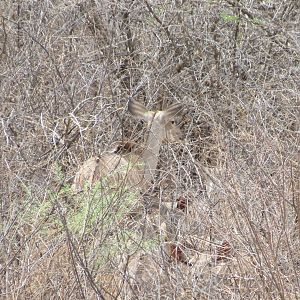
(135, 170)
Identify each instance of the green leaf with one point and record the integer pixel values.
(228, 18)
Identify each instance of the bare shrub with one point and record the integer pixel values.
(67, 72)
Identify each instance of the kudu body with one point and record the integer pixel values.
(137, 171)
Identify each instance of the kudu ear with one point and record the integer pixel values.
(137, 109)
(173, 110)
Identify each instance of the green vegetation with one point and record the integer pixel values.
(229, 18)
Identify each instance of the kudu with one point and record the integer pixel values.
(134, 170)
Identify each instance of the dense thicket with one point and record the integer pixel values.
(67, 71)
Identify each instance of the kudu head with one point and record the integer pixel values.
(160, 123)
(160, 127)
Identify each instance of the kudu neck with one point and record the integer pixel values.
(150, 155)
